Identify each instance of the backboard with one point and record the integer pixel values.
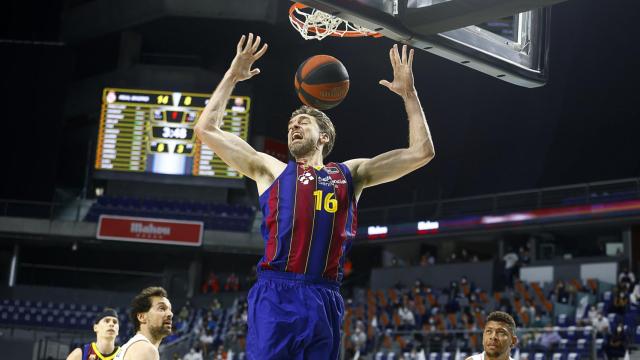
(506, 39)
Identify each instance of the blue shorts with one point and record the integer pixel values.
(294, 317)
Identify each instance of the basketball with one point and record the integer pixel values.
(322, 82)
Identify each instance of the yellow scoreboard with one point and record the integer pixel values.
(148, 131)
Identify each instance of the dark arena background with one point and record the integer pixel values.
(531, 204)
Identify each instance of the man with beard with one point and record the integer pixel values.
(106, 327)
(152, 319)
(498, 337)
(295, 308)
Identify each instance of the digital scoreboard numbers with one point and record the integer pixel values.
(145, 131)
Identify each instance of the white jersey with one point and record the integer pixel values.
(123, 349)
(481, 356)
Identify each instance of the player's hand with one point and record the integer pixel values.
(402, 73)
(247, 53)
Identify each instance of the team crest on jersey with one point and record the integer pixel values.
(92, 357)
(305, 178)
(332, 170)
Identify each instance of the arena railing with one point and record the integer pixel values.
(576, 194)
(460, 344)
(568, 195)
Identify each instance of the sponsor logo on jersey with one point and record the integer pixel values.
(332, 170)
(328, 181)
(305, 178)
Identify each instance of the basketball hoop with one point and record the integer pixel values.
(315, 24)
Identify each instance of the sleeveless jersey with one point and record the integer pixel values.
(481, 357)
(309, 220)
(123, 350)
(90, 352)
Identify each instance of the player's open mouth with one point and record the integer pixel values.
(296, 136)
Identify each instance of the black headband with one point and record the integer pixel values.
(104, 314)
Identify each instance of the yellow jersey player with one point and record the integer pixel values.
(106, 327)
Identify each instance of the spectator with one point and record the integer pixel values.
(212, 321)
(510, 267)
(183, 315)
(206, 341)
(634, 298)
(626, 276)
(221, 354)
(464, 255)
(347, 268)
(359, 338)
(424, 260)
(211, 284)
(193, 354)
(232, 283)
(601, 324)
(418, 289)
(549, 340)
(529, 309)
(560, 293)
(407, 319)
(620, 302)
(617, 344)
(215, 305)
(592, 314)
(523, 255)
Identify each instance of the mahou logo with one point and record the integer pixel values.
(305, 177)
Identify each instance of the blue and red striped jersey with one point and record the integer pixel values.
(309, 220)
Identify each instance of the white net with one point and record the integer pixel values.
(315, 24)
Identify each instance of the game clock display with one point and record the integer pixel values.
(145, 131)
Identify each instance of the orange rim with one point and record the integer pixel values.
(320, 30)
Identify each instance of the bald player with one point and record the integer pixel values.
(498, 337)
(152, 318)
(106, 327)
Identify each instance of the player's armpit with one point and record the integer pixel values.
(142, 350)
(238, 154)
(76, 354)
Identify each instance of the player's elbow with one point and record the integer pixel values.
(424, 155)
(205, 131)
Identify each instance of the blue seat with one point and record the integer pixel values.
(538, 356)
(434, 356)
(573, 356)
(562, 320)
(558, 356)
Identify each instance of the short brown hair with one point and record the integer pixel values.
(503, 317)
(142, 303)
(324, 123)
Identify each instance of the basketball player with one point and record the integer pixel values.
(106, 327)
(309, 207)
(498, 337)
(152, 319)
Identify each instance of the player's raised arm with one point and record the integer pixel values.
(234, 151)
(394, 164)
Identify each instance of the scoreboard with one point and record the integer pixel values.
(148, 131)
